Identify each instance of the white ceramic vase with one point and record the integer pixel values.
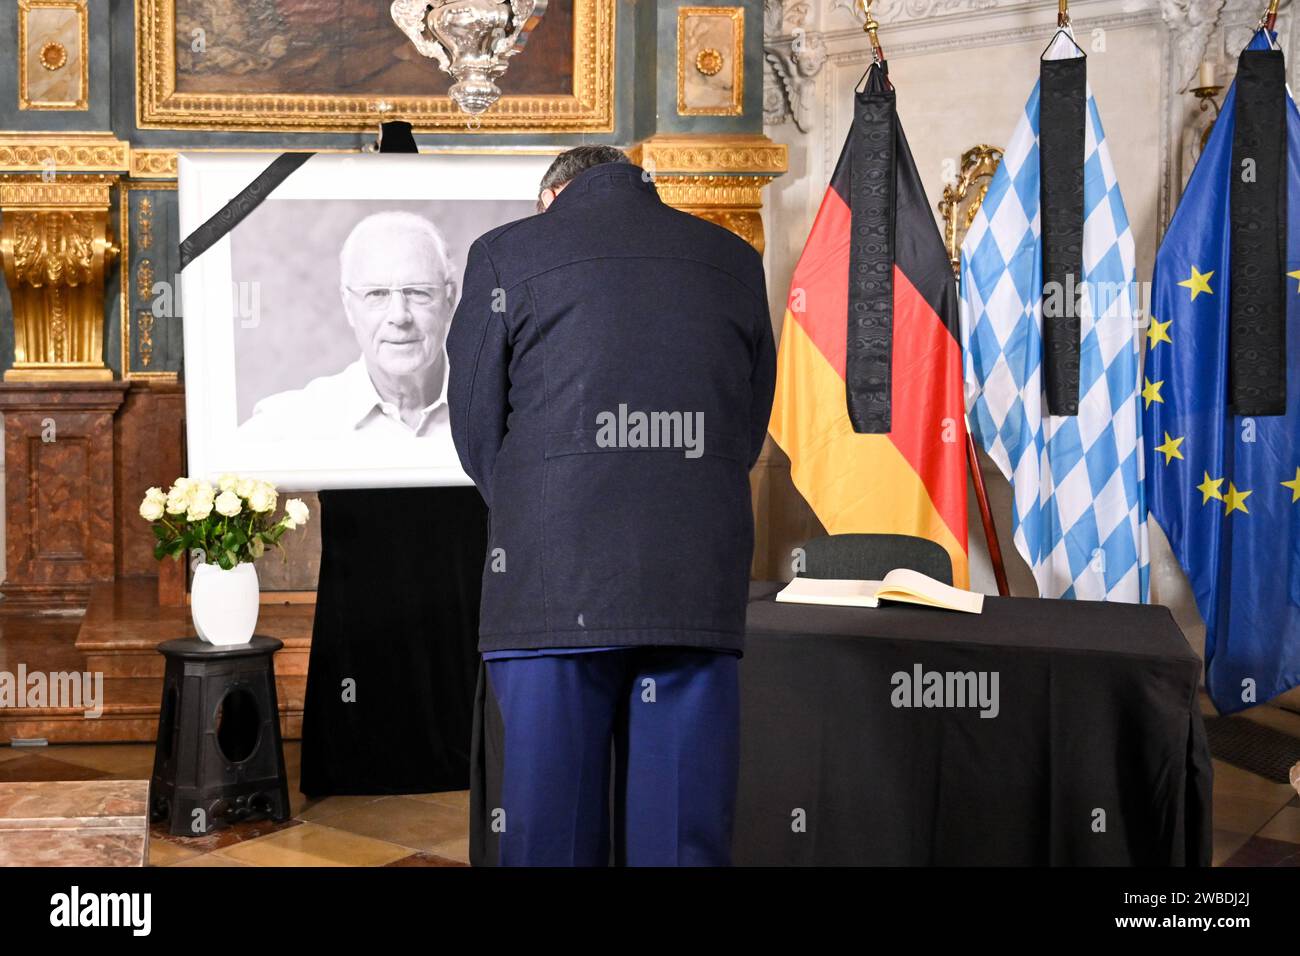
(224, 604)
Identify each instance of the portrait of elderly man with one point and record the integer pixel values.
(397, 291)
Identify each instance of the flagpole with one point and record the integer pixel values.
(870, 26)
(972, 160)
(986, 515)
(1270, 16)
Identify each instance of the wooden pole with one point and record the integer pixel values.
(986, 516)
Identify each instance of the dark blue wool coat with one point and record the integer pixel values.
(612, 369)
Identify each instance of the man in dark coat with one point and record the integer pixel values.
(612, 369)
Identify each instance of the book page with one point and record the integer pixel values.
(833, 592)
(904, 584)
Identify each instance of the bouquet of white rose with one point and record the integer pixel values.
(226, 525)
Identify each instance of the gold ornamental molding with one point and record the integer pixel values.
(718, 178)
(734, 202)
(711, 154)
(55, 245)
(159, 105)
(153, 164)
(63, 152)
(729, 191)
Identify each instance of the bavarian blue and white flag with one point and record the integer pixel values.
(1079, 510)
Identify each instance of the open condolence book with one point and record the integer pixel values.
(901, 584)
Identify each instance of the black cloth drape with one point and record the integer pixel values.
(1061, 136)
(1257, 287)
(1097, 755)
(397, 614)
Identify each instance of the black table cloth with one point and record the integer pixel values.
(1097, 755)
(397, 615)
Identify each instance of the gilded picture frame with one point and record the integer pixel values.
(710, 80)
(589, 108)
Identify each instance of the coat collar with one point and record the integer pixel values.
(623, 177)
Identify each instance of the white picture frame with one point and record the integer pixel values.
(229, 334)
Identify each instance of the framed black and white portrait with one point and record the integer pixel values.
(315, 327)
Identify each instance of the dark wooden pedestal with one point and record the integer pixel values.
(60, 504)
(218, 759)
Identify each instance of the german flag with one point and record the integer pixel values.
(869, 402)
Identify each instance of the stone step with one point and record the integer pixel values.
(118, 637)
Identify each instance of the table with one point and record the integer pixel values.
(1097, 755)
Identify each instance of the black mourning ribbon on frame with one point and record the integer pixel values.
(232, 213)
(1257, 303)
(1063, 104)
(869, 357)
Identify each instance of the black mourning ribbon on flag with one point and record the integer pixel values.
(1257, 300)
(1063, 104)
(869, 358)
(232, 213)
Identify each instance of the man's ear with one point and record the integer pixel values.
(548, 197)
(347, 307)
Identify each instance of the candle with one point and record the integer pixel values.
(1208, 75)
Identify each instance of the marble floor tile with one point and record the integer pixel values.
(127, 761)
(456, 799)
(322, 809)
(37, 766)
(228, 836)
(312, 844)
(1242, 814)
(457, 849)
(410, 823)
(425, 859)
(1285, 826)
(210, 859)
(1233, 781)
(165, 853)
(1226, 843)
(1260, 851)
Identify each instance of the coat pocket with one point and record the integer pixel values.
(646, 538)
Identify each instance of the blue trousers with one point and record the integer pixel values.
(671, 719)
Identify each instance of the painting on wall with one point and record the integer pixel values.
(315, 357)
(325, 65)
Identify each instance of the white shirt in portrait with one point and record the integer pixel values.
(346, 405)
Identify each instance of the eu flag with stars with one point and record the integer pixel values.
(1224, 478)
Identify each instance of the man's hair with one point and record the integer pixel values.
(386, 223)
(571, 162)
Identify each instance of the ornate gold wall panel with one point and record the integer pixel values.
(710, 61)
(139, 251)
(55, 245)
(159, 105)
(53, 55)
